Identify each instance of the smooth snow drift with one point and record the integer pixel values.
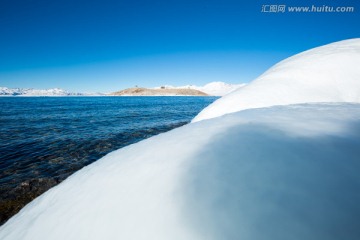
(330, 73)
(289, 172)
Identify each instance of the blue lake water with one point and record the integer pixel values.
(51, 137)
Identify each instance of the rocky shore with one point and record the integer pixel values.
(14, 200)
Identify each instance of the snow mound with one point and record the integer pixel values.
(213, 88)
(285, 172)
(328, 73)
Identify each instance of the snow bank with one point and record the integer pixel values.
(329, 73)
(286, 172)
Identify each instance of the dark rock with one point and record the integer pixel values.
(13, 200)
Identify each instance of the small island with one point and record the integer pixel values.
(137, 91)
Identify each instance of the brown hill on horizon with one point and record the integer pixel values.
(158, 92)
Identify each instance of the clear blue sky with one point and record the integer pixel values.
(103, 45)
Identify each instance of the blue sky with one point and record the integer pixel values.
(109, 45)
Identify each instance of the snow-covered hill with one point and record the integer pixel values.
(325, 74)
(213, 88)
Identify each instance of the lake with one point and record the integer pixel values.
(45, 139)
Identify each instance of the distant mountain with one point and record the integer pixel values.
(159, 92)
(213, 88)
(4, 91)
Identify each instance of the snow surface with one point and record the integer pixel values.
(213, 88)
(329, 73)
(285, 172)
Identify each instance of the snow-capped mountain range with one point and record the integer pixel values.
(4, 91)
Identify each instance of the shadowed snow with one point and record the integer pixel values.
(256, 174)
